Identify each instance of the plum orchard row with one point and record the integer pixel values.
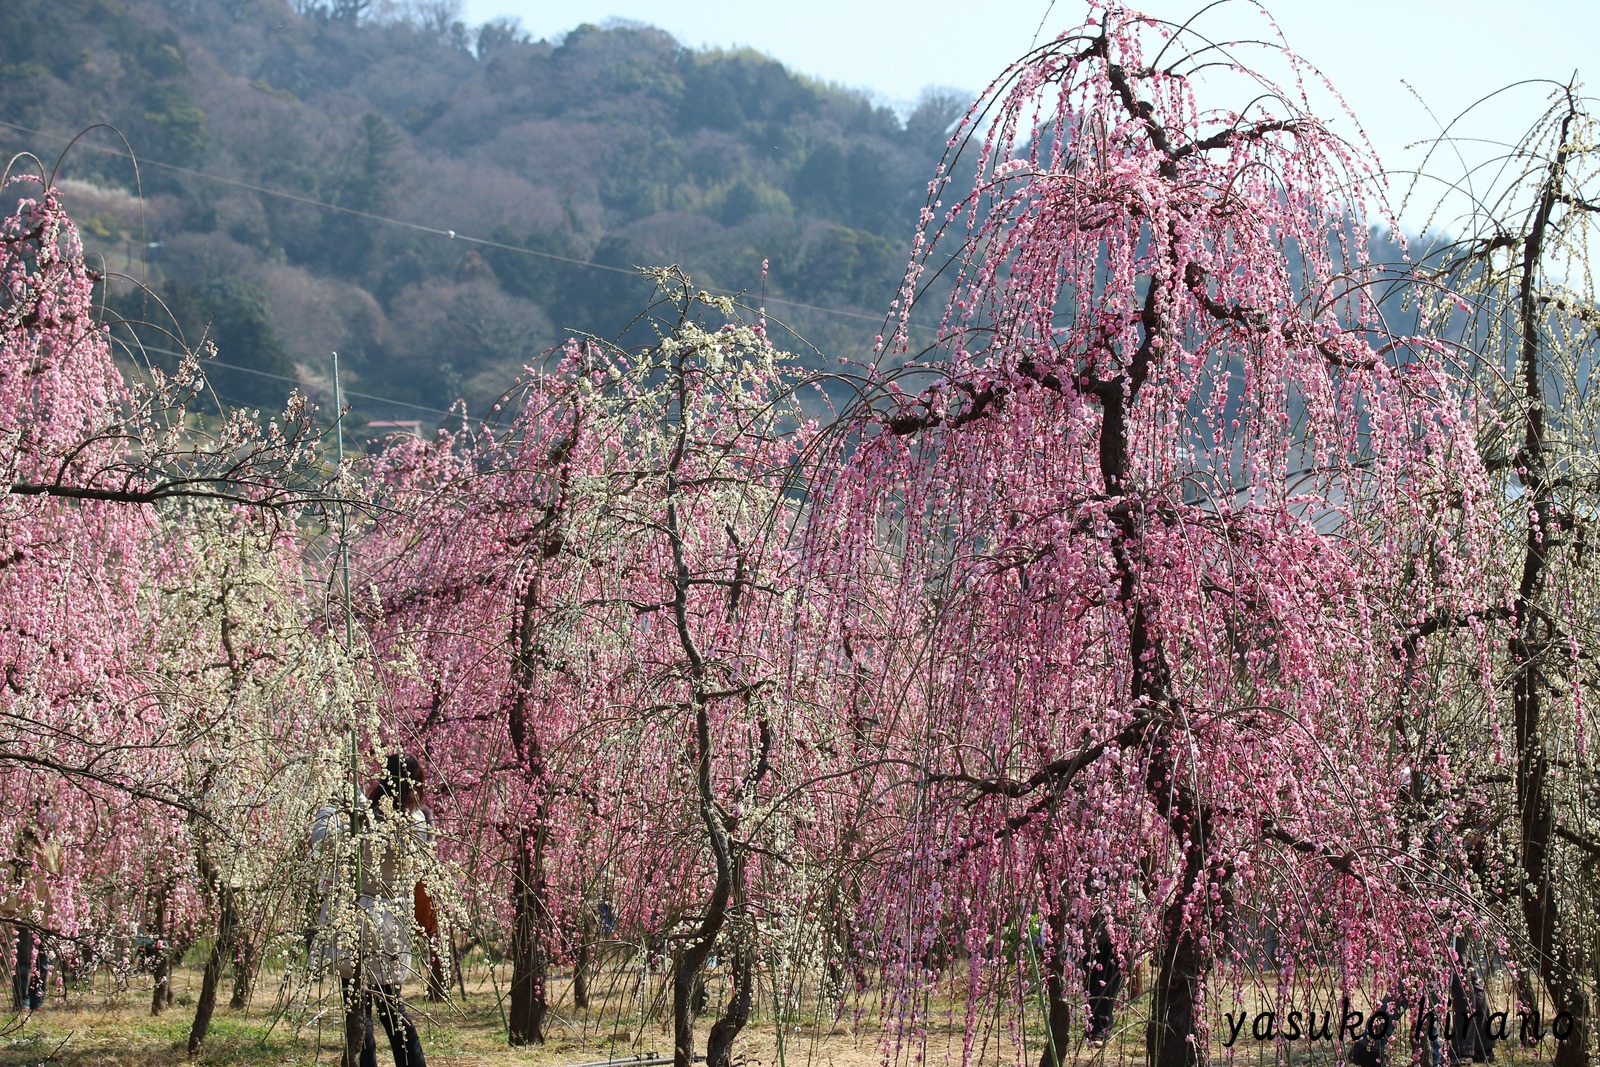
(1173, 591)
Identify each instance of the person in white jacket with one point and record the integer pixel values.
(371, 945)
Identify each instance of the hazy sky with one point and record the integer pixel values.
(1450, 51)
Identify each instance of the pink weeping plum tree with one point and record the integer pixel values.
(76, 749)
(95, 575)
(597, 648)
(1140, 550)
(499, 720)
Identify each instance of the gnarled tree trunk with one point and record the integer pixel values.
(582, 960)
(530, 956)
(741, 979)
(221, 949)
(164, 953)
(1532, 642)
(1058, 1009)
(244, 967)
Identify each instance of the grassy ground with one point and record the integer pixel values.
(107, 1025)
(115, 1027)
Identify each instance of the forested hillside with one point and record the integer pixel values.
(558, 164)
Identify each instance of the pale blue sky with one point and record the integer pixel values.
(1451, 51)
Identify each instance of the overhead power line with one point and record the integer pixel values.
(449, 234)
(296, 381)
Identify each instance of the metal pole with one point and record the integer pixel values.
(354, 993)
(349, 621)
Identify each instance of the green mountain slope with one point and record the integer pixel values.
(298, 164)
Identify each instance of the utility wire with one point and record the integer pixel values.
(417, 226)
(286, 378)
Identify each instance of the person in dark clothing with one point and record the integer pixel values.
(1102, 970)
(1471, 1038)
(1466, 1026)
(38, 859)
(1370, 1051)
(32, 973)
(404, 1044)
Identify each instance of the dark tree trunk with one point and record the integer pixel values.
(244, 968)
(161, 967)
(438, 981)
(530, 934)
(1530, 645)
(162, 974)
(580, 966)
(687, 968)
(460, 955)
(1540, 908)
(355, 1017)
(1058, 1010)
(741, 974)
(1179, 976)
(689, 963)
(741, 970)
(1171, 1037)
(530, 957)
(836, 967)
(700, 997)
(221, 949)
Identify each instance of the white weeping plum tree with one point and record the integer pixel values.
(1519, 284)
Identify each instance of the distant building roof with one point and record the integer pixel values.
(410, 426)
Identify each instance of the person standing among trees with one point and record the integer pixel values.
(375, 959)
(38, 859)
(1102, 979)
(1106, 963)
